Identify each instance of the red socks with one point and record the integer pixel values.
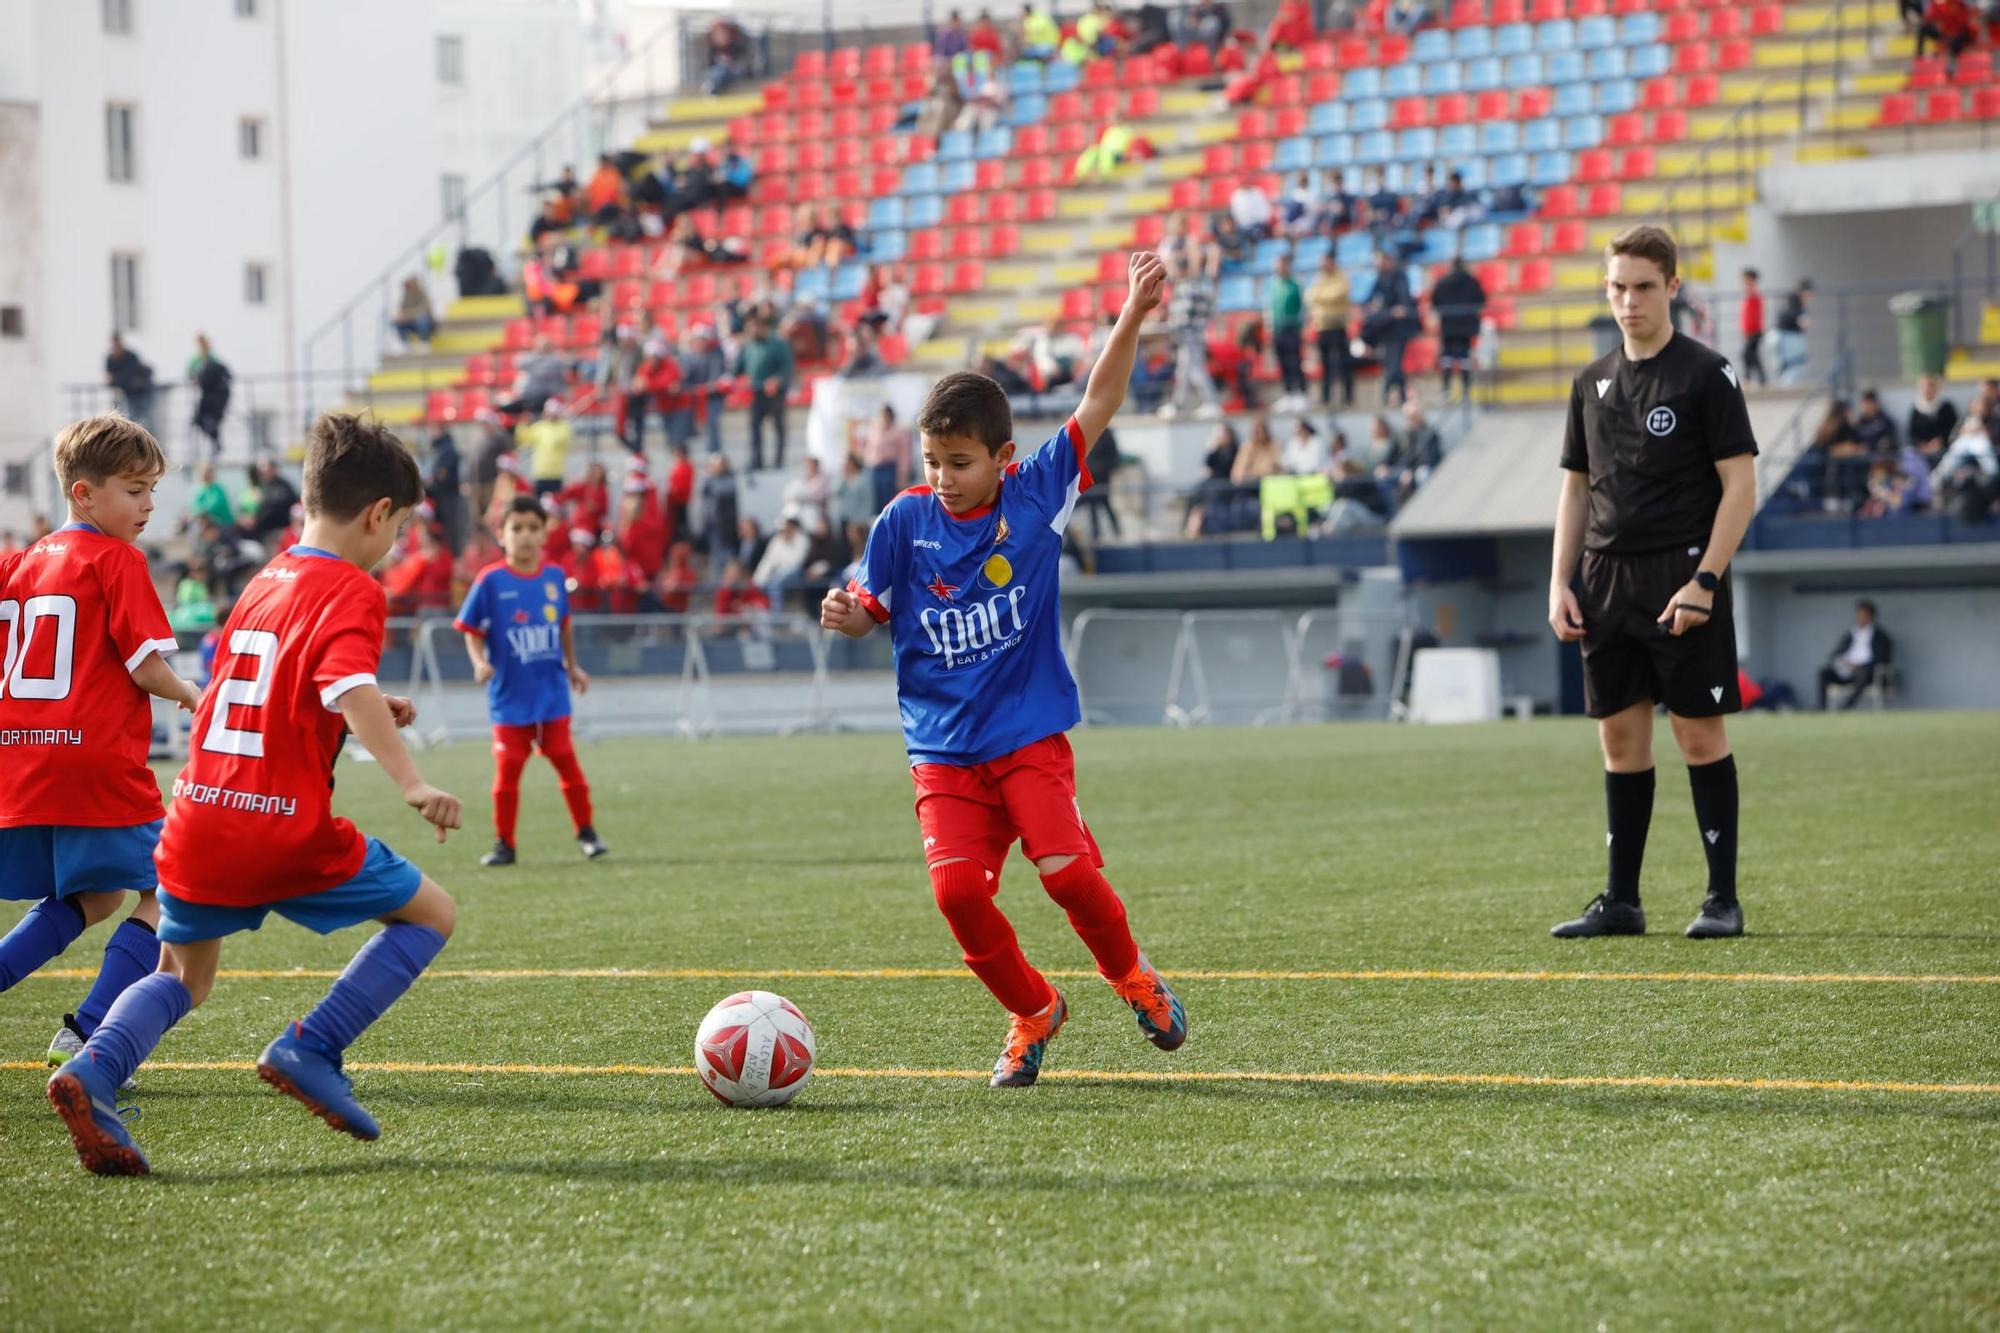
(570, 780)
(508, 761)
(964, 894)
(1096, 914)
(510, 757)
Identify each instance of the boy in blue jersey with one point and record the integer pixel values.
(523, 650)
(963, 571)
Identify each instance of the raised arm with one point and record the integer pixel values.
(1105, 393)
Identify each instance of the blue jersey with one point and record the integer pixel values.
(521, 617)
(972, 606)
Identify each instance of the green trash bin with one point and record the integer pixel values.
(1921, 334)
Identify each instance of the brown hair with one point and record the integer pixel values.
(1645, 241)
(107, 445)
(966, 402)
(352, 462)
(526, 504)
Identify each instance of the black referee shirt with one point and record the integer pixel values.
(1649, 433)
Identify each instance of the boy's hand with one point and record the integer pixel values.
(843, 611)
(400, 709)
(1149, 281)
(190, 696)
(439, 808)
(579, 679)
(482, 672)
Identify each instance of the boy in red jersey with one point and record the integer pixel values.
(964, 573)
(85, 643)
(252, 829)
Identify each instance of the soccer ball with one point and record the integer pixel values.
(754, 1049)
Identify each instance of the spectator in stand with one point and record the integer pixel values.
(1298, 209)
(1389, 322)
(765, 360)
(1177, 240)
(1860, 650)
(656, 387)
(1971, 466)
(1291, 26)
(1227, 242)
(718, 506)
(275, 499)
(1338, 210)
(1305, 453)
(1459, 303)
(1206, 22)
(211, 380)
(1151, 30)
(587, 500)
(705, 378)
(1041, 37)
(1950, 24)
(985, 99)
(1250, 208)
(133, 379)
(1214, 488)
(1874, 429)
(885, 299)
(854, 498)
(552, 220)
(750, 542)
(887, 449)
(808, 496)
(1406, 16)
(1382, 206)
(942, 105)
(1259, 458)
(736, 175)
(985, 38)
(1190, 306)
(540, 376)
(1793, 324)
(548, 441)
(210, 502)
(443, 487)
(642, 527)
(737, 596)
(1285, 306)
(952, 39)
(1752, 326)
(784, 559)
(1099, 32)
(1358, 499)
(863, 357)
(1249, 356)
(1912, 480)
(728, 56)
(1933, 418)
(421, 580)
(1414, 456)
(1327, 301)
(674, 588)
(677, 494)
(414, 321)
(1842, 459)
(1458, 207)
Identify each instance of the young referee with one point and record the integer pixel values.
(1658, 487)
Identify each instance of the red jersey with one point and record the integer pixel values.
(1753, 313)
(252, 820)
(78, 615)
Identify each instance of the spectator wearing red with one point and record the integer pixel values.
(1753, 329)
(588, 500)
(1291, 27)
(421, 580)
(579, 567)
(1951, 24)
(642, 528)
(985, 36)
(677, 494)
(674, 586)
(618, 577)
(736, 595)
(604, 196)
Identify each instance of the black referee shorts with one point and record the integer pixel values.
(1629, 659)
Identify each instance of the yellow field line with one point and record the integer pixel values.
(959, 974)
(1368, 1078)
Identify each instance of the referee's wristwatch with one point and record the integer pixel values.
(1709, 582)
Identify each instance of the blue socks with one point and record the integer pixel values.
(380, 973)
(50, 926)
(132, 952)
(135, 1024)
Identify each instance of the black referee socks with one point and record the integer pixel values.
(1714, 787)
(1628, 801)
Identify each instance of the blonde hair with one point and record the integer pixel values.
(1645, 241)
(107, 445)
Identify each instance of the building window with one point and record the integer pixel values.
(121, 141)
(451, 59)
(118, 17)
(451, 191)
(250, 137)
(13, 323)
(124, 292)
(256, 277)
(246, 9)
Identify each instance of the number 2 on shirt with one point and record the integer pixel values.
(242, 692)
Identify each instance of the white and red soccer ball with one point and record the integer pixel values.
(754, 1049)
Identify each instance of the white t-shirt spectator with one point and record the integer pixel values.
(1860, 647)
(1251, 207)
(785, 555)
(1973, 445)
(1305, 455)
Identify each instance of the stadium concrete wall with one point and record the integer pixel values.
(22, 421)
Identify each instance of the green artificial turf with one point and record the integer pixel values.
(1871, 844)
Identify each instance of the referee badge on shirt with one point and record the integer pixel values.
(1661, 421)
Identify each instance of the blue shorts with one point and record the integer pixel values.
(383, 884)
(56, 860)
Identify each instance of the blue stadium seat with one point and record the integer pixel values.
(1473, 42)
(1458, 141)
(1375, 148)
(1436, 245)
(1514, 39)
(1550, 169)
(1400, 177)
(847, 280)
(1369, 115)
(955, 146)
(1481, 75)
(920, 178)
(1266, 252)
(1418, 145)
(885, 212)
(1060, 76)
(1480, 242)
(1616, 95)
(1361, 280)
(1639, 29)
(1402, 81)
(1510, 169)
(1352, 249)
(1597, 32)
(1563, 67)
(1327, 118)
(1358, 85)
(812, 282)
(1028, 109)
(1293, 154)
(1333, 150)
(1524, 71)
(1539, 136)
(1414, 272)
(1353, 179)
(1556, 35)
(1573, 99)
(1648, 62)
(1583, 131)
(958, 177)
(1473, 169)
(1608, 63)
(927, 209)
(1238, 291)
(1431, 44)
(887, 247)
(1024, 77)
(1309, 250)
(996, 142)
(1499, 136)
(1444, 77)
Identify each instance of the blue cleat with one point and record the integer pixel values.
(1154, 1004)
(302, 1073)
(87, 1101)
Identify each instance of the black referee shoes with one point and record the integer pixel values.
(1719, 918)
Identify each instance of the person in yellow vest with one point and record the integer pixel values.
(1040, 36)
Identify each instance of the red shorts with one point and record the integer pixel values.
(976, 813)
(540, 735)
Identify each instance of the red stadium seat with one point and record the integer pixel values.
(1767, 20)
(920, 148)
(1683, 27)
(478, 369)
(1288, 91)
(1559, 201)
(1701, 90)
(1149, 231)
(969, 276)
(845, 63)
(1289, 121)
(846, 134)
(1659, 94)
(518, 335)
(1724, 23)
(1142, 104)
(990, 176)
(1532, 103)
(1253, 124)
(1355, 51)
(926, 244)
(1038, 206)
(1039, 173)
(810, 156)
(630, 260)
(441, 405)
(809, 64)
(1733, 54)
(1545, 11)
(1076, 303)
(962, 210)
(1507, 11)
(917, 58)
(1495, 275)
(628, 296)
(1638, 164)
(1592, 165)
(1392, 49)
(1073, 138)
(1927, 73)
(967, 243)
(1101, 104)
(1493, 104)
(808, 97)
(1003, 240)
(880, 89)
(1410, 113)
(1467, 14)
(1218, 159)
(1534, 275)
(1523, 238)
(1944, 105)
(884, 181)
(1569, 238)
(844, 93)
(1320, 57)
(472, 402)
(1100, 74)
(1603, 200)
(1694, 58)
(585, 330)
(1625, 129)
(1585, 9)
(1322, 86)
(1452, 109)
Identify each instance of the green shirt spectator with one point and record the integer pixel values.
(211, 500)
(1287, 304)
(766, 358)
